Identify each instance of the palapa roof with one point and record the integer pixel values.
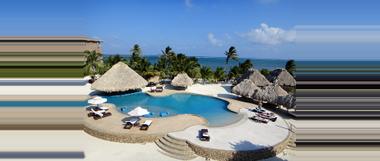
(246, 88)
(119, 78)
(288, 101)
(269, 94)
(279, 91)
(282, 77)
(182, 80)
(256, 77)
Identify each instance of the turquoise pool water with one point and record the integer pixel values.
(213, 109)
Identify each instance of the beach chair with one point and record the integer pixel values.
(258, 110)
(100, 114)
(153, 89)
(203, 135)
(103, 108)
(146, 124)
(271, 117)
(130, 123)
(159, 89)
(258, 119)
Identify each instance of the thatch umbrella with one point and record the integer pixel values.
(182, 80)
(288, 101)
(279, 91)
(282, 77)
(256, 77)
(246, 88)
(119, 78)
(269, 94)
(154, 79)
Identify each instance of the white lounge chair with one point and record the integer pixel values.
(146, 124)
(103, 108)
(100, 114)
(130, 123)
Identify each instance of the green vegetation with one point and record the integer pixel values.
(93, 65)
(231, 54)
(240, 69)
(219, 74)
(291, 66)
(207, 74)
(265, 72)
(170, 64)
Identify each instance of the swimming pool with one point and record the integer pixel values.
(213, 109)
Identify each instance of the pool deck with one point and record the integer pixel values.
(251, 138)
(111, 127)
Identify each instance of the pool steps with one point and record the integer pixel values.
(175, 148)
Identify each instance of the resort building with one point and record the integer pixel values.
(44, 56)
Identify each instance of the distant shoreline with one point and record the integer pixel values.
(215, 62)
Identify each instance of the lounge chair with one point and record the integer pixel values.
(258, 119)
(269, 117)
(130, 123)
(159, 89)
(203, 135)
(153, 89)
(100, 114)
(146, 124)
(258, 110)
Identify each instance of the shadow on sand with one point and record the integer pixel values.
(246, 155)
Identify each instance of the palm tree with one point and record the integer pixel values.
(113, 59)
(291, 66)
(166, 61)
(219, 74)
(93, 63)
(135, 58)
(231, 54)
(206, 73)
(265, 72)
(245, 66)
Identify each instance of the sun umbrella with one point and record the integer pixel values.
(138, 111)
(97, 100)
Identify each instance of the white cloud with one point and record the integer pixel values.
(213, 40)
(189, 3)
(270, 35)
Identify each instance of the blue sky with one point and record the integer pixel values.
(257, 28)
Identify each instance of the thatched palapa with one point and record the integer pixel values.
(246, 88)
(269, 94)
(256, 77)
(182, 80)
(119, 78)
(282, 77)
(279, 91)
(288, 101)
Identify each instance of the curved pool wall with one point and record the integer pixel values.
(213, 109)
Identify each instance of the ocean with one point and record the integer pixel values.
(215, 62)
